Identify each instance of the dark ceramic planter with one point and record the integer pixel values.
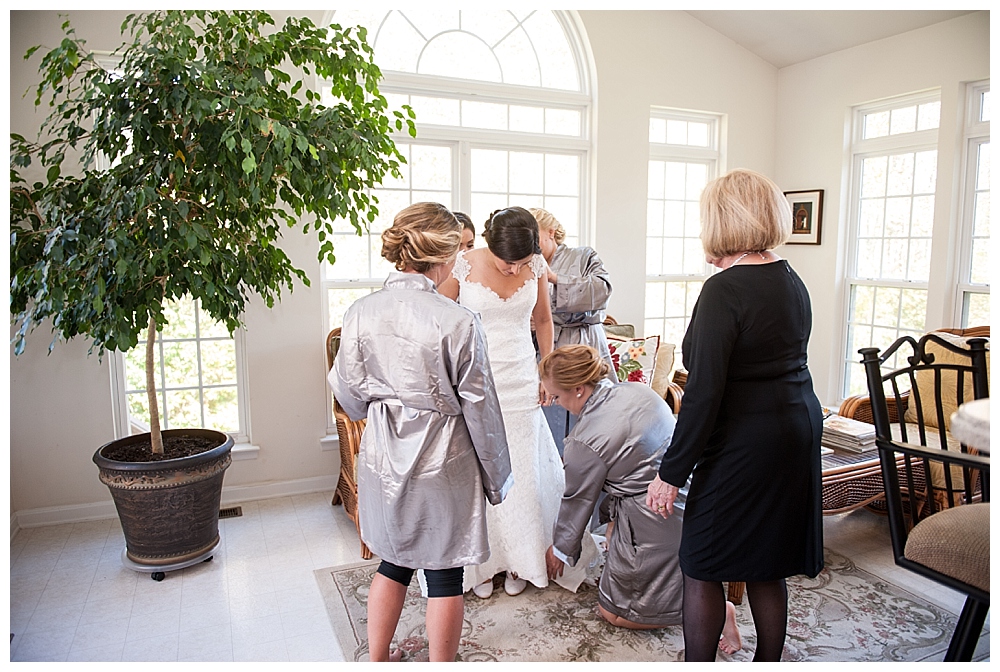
(169, 510)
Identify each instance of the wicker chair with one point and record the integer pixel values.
(851, 482)
(349, 435)
(937, 496)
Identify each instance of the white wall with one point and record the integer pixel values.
(666, 59)
(813, 116)
(60, 403)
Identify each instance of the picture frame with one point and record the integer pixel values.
(807, 216)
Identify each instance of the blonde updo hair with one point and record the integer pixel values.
(422, 236)
(573, 365)
(743, 211)
(547, 222)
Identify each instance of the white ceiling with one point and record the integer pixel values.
(784, 38)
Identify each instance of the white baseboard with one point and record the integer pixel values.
(303, 486)
(78, 513)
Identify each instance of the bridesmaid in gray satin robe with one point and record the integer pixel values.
(414, 363)
(616, 446)
(579, 289)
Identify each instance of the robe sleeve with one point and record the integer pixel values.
(477, 395)
(585, 476)
(586, 293)
(708, 345)
(349, 366)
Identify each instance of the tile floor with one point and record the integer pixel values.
(257, 600)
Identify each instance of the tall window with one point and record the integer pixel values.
(502, 107)
(973, 289)
(684, 154)
(894, 176)
(199, 376)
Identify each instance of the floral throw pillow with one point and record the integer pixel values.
(634, 358)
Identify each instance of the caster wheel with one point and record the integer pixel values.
(208, 559)
(158, 576)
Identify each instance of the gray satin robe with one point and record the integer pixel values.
(579, 299)
(616, 446)
(415, 364)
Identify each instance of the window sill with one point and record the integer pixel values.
(329, 442)
(245, 451)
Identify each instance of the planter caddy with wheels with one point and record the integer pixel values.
(213, 130)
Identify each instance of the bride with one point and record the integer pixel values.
(501, 283)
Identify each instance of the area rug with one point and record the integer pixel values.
(844, 614)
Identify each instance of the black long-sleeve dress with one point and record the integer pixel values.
(750, 429)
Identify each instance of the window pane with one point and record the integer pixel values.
(221, 409)
(984, 113)
(903, 120)
(460, 55)
(655, 178)
(654, 218)
(929, 116)
(871, 217)
(431, 167)
(873, 176)
(864, 304)
(182, 409)
(484, 115)
(562, 174)
(925, 172)
(527, 119)
(351, 252)
(517, 59)
(657, 130)
(976, 311)
(983, 173)
(179, 317)
(443, 111)
(180, 364)
(676, 132)
(553, 51)
(527, 171)
(489, 170)
(876, 125)
(562, 122)
(218, 361)
(900, 175)
(698, 134)
(655, 295)
(398, 44)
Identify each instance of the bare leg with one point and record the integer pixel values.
(731, 642)
(624, 622)
(769, 606)
(445, 616)
(704, 618)
(385, 604)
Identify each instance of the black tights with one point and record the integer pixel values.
(705, 614)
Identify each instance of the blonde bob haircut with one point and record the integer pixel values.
(547, 222)
(573, 365)
(422, 235)
(743, 211)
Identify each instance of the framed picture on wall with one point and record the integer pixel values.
(807, 216)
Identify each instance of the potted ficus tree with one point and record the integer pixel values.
(172, 174)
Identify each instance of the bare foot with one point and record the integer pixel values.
(730, 641)
(395, 655)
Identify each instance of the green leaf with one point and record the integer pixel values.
(249, 164)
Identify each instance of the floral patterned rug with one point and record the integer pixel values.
(844, 614)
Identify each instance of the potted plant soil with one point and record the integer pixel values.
(172, 174)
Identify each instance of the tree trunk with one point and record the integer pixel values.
(154, 407)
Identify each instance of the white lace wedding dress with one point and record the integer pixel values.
(520, 529)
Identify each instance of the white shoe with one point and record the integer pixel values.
(513, 585)
(484, 590)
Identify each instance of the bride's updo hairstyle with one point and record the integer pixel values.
(573, 365)
(422, 236)
(512, 234)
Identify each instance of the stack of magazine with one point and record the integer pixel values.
(849, 435)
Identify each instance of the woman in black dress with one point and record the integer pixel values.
(750, 425)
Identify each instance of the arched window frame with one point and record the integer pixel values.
(464, 141)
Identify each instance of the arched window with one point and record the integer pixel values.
(503, 106)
